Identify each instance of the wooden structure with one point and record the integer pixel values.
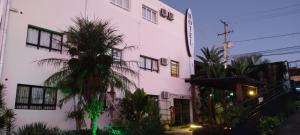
(237, 83)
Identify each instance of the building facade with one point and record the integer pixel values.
(160, 35)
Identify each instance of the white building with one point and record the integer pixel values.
(156, 30)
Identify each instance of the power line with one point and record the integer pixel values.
(291, 52)
(270, 51)
(269, 13)
(266, 37)
(281, 49)
(295, 61)
(272, 10)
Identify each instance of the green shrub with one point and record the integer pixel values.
(141, 113)
(7, 116)
(137, 105)
(42, 129)
(85, 132)
(234, 115)
(148, 126)
(38, 129)
(268, 125)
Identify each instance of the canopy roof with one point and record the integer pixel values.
(224, 82)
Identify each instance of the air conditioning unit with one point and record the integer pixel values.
(163, 12)
(164, 61)
(165, 95)
(170, 16)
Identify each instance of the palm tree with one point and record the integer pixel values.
(7, 116)
(242, 65)
(91, 70)
(212, 67)
(2, 109)
(211, 62)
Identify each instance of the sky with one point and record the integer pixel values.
(248, 19)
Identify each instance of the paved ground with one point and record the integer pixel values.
(291, 126)
(178, 131)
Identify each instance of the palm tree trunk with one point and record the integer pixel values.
(94, 126)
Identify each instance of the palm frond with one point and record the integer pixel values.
(121, 81)
(123, 68)
(66, 99)
(57, 77)
(52, 61)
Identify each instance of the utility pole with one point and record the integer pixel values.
(226, 42)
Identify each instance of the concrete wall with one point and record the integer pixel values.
(165, 39)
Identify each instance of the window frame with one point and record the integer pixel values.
(151, 19)
(114, 2)
(114, 57)
(38, 45)
(145, 64)
(176, 63)
(29, 104)
(111, 53)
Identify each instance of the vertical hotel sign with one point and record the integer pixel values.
(189, 31)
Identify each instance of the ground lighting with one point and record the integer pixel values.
(194, 126)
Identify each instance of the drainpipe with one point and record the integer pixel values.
(3, 37)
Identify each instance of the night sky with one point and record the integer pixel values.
(248, 19)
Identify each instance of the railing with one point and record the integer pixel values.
(254, 110)
(253, 107)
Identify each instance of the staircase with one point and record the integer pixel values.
(271, 105)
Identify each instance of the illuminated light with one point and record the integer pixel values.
(231, 94)
(195, 126)
(225, 128)
(251, 93)
(210, 95)
(298, 88)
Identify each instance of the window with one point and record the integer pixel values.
(116, 54)
(125, 4)
(174, 68)
(42, 38)
(35, 97)
(149, 14)
(148, 63)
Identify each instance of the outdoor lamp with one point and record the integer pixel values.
(251, 93)
(251, 90)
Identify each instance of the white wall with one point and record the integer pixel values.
(164, 39)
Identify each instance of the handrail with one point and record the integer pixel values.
(258, 108)
(254, 107)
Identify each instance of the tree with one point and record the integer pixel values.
(7, 116)
(243, 65)
(211, 61)
(91, 70)
(141, 113)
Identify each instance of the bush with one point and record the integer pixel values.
(37, 129)
(141, 113)
(84, 132)
(234, 115)
(42, 129)
(268, 125)
(7, 116)
(148, 126)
